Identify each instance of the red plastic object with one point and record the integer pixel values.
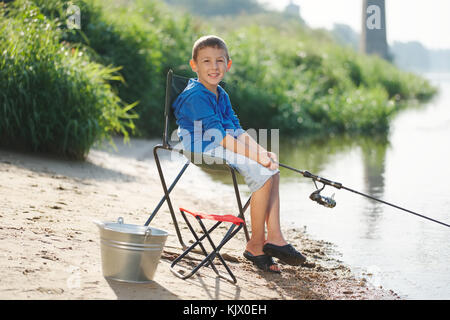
(217, 217)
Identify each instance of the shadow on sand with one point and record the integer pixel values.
(139, 291)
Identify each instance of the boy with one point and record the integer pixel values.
(208, 124)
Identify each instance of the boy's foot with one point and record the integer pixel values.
(286, 254)
(263, 262)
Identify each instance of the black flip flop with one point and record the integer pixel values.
(263, 262)
(286, 254)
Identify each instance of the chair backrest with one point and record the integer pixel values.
(175, 85)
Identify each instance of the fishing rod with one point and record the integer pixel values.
(329, 202)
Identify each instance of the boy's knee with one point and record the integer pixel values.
(275, 178)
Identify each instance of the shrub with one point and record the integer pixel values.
(53, 98)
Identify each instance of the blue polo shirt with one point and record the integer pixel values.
(203, 119)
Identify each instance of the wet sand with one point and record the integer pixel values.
(50, 247)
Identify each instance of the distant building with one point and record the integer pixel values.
(373, 36)
(292, 10)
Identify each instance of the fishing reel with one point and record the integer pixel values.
(328, 202)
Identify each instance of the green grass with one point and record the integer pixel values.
(62, 90)
(53, 98)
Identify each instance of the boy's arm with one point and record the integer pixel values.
(246, 139)
(251, 150)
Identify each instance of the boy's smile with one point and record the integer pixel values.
(211, 66)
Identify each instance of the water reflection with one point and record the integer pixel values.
(373, 155)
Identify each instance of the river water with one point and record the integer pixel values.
(410, 167)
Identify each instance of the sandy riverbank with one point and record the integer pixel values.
(50, 246)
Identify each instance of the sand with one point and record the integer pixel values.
(50, 247)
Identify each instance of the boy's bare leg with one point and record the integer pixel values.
(274, 234)
(258, 211)
(259, 207)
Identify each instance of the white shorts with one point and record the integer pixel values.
(255, 174)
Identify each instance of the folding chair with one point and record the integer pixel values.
(237, 224)
(174, 86)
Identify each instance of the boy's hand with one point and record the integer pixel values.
(272, 156)
(265, 159)
(274, 160)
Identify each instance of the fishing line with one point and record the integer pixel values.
(331, 203)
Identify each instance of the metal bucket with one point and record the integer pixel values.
(130, 253)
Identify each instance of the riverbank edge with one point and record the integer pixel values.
(52, 251)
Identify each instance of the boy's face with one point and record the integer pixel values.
(211, 66)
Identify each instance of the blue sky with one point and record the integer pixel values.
(427, 21)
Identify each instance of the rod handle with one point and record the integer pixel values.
(308, 174)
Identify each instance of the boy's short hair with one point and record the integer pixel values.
(209, 41)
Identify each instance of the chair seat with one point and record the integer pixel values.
(216, 217)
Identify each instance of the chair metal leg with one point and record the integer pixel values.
(216, 250)
(209, 258)
(163, 199)
(239, 202)
(166, 192)
(199, 241)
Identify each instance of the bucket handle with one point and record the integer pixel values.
(148, 233)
